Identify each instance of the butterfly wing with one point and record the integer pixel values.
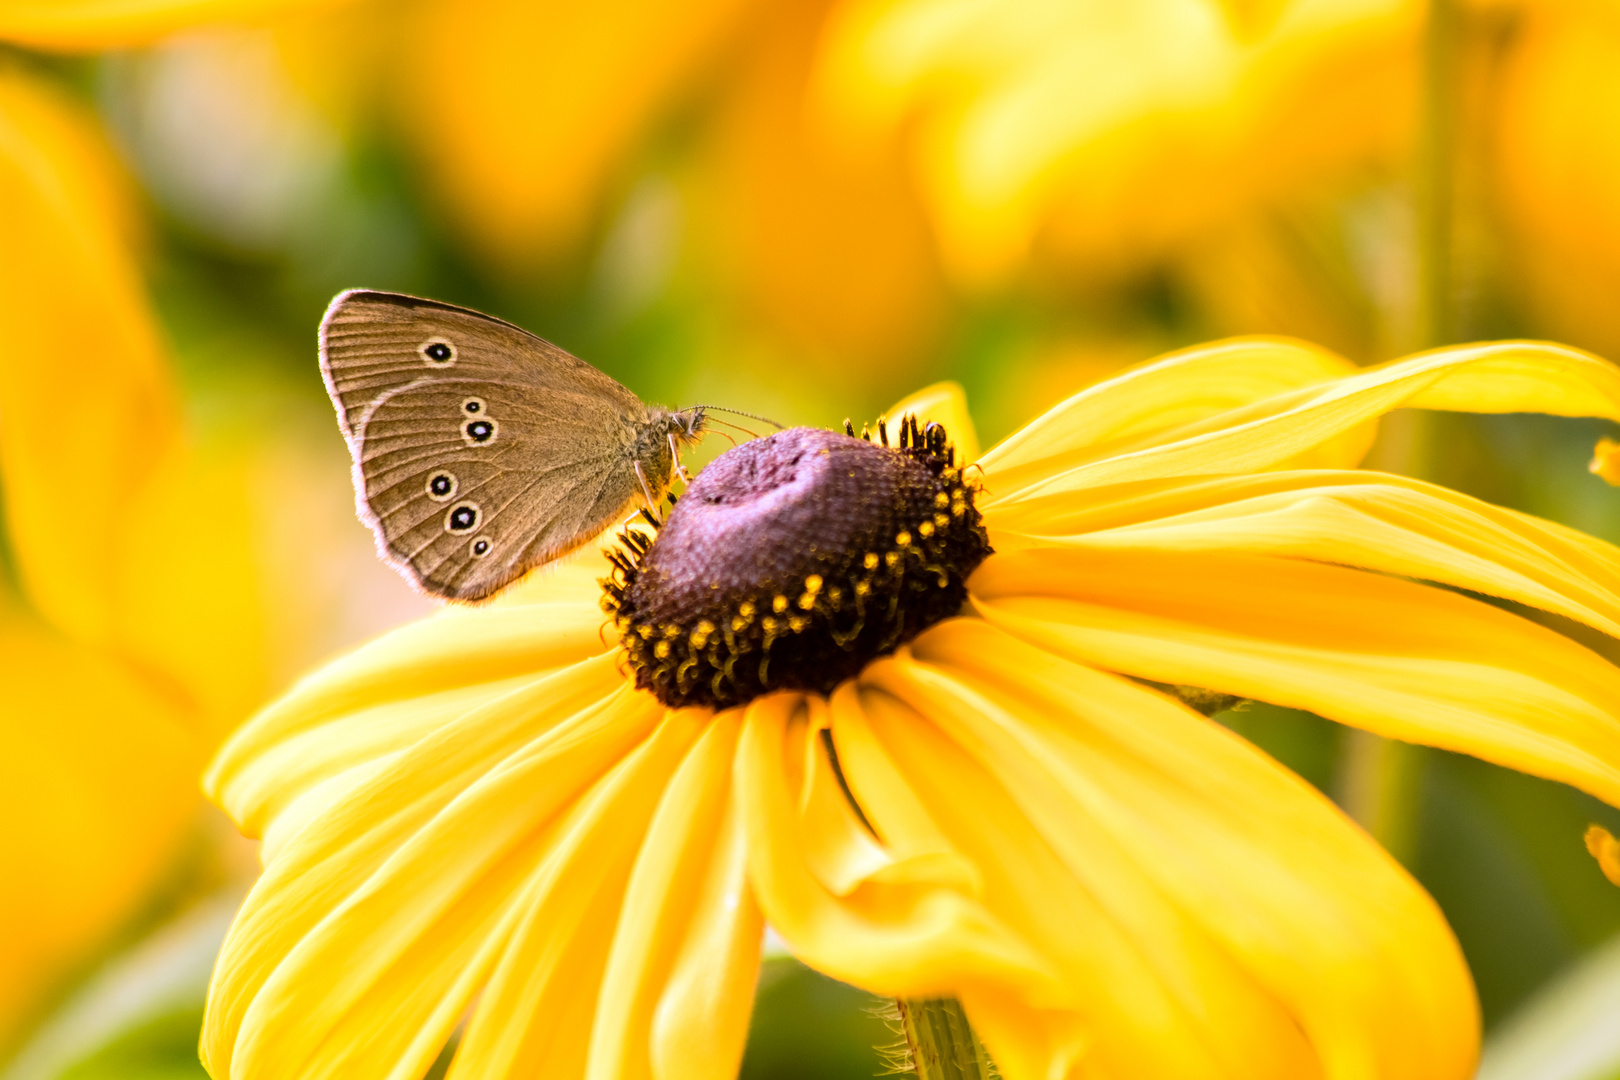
(480, 451)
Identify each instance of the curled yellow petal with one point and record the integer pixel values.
(1606, 850)
(906, 928)
(1390, 524)
(1216, 915)
(1154, 402)
(1509, 376)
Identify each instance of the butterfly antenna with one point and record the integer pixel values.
(739, 412)
(729, 424)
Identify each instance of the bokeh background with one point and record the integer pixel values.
(803, 208)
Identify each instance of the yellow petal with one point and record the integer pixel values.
(906, 929)
(678, 988)
(1606, 850)
(1219, 916)
(97, 785)
(522, 110)
(644, 898)
(1409, 661)
(374, 925)
(403, 687)
(76, 25)
(1153, 402)
(1522, 376)
(1375, 521)
(74, 309)
(946, 404)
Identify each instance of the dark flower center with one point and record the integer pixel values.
(792, 561)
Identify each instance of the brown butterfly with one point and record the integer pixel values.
(481, 451)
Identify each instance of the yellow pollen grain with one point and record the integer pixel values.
(863, 588)
(942, 500)
(903, 539)
(779, 604)
(661, 650)
(738, 623)
(671, 632)
(871, 560)
(941, 521)
(746, 609)
(645, 632)
(812, 584)
(892, 558)
(926, 529)
(797, 623)
(807, 601)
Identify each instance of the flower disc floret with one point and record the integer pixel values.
(794, 560)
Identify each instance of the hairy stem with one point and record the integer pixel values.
(942, 1044)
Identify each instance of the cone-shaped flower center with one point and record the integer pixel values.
(793, 560)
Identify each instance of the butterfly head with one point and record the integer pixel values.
(688, 425)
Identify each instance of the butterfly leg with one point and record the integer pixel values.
(646, 489)
(675, 456)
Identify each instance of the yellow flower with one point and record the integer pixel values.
(480, 816)
(1557, 185)
(131, 622)
(1103, 133)
(532, 122)
(73, 25)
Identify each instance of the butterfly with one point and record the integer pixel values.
(481, 451)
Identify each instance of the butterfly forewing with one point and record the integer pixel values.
(480, 450)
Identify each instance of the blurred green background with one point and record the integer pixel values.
(804, 209)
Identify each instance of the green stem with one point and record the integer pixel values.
(1379, 781)
(1436, 179)
(942, 1043)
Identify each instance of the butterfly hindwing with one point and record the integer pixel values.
(480, 458)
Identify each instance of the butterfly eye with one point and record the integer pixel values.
(479, 548)
(478, 431)
(473, 405)
(438, 352)
(463, 517)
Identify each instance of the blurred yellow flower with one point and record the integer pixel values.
(521, 112)
(1559, 169)
(480, 818)
(73, 25)
(131, 616)
(1606, 850)
(1102, 134)
(532, 124)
